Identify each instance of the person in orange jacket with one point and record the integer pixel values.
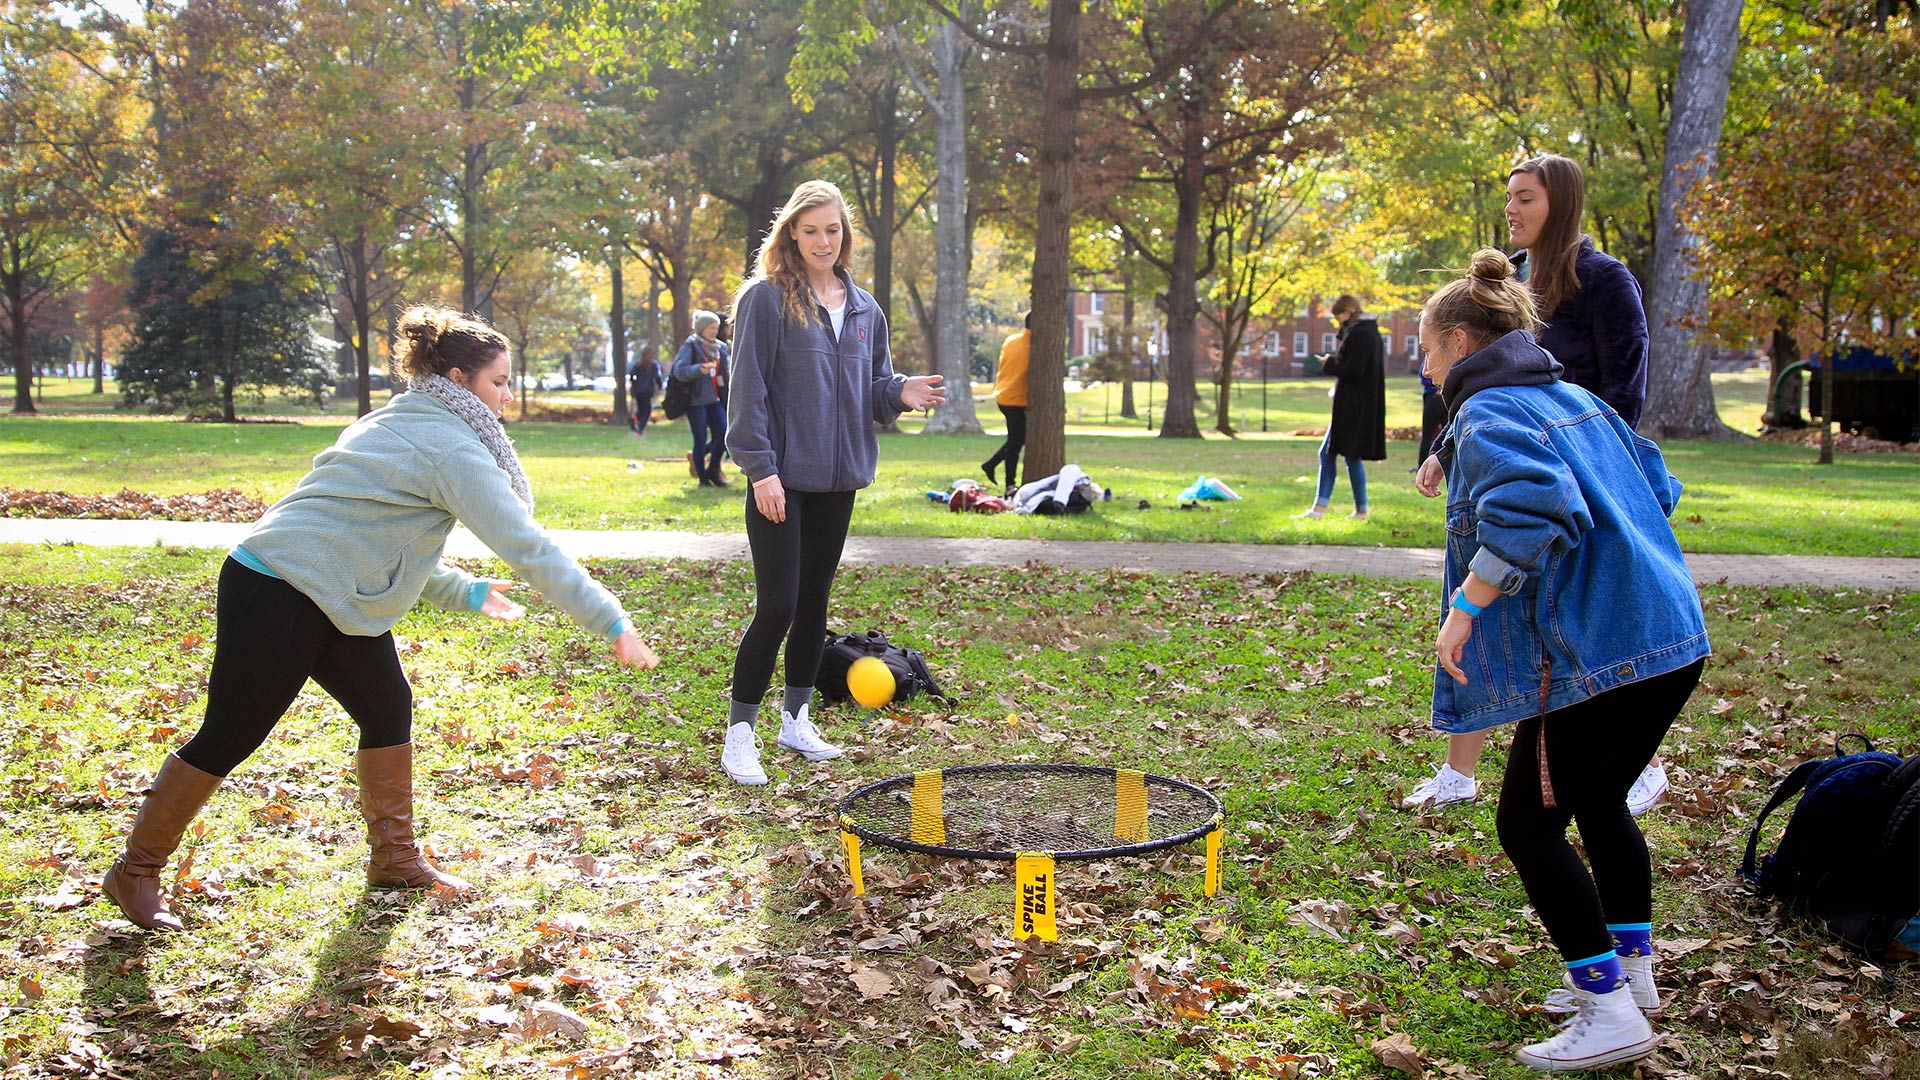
(1010, 393)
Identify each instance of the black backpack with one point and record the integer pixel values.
(910, 674)
(678, 399)
(1850, 854)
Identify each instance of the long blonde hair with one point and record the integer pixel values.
(780, 262)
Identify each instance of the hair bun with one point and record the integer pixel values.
(1489, 264)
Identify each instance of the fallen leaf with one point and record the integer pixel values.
(1397, 1051)
(872, 982)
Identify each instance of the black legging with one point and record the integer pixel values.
(1595, 749)
(793, 567)
(1433, 413)
(1009, 451)
(268, 639)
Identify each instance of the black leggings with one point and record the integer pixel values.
(1009, 451)
(268, 639)
(793, 567)
(1595, 749)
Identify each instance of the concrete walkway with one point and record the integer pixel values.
(1831, 572)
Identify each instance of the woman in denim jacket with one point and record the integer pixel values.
(1571, 613)
(1597, 329)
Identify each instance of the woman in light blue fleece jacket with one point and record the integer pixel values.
(812, 374)
(315, 588)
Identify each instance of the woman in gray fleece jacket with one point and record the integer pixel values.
(315, 588)
(811, 376)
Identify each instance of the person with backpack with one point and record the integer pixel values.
(643, 382)
(1596, 327)
(1569, 612)
(314, 590)
(812, 376)
(698, 365)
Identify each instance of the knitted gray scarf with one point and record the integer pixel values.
(484, 424)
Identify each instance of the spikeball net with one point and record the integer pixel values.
(1033, 815)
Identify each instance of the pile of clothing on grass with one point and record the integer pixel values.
(1070, 491)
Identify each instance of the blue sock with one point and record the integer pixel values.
(1632, 939)
(1598, 974)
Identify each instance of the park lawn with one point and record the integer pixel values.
(1741, 496)
(699, 929)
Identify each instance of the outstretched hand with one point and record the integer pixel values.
(630, 651)
(497, 606)
(923, 392)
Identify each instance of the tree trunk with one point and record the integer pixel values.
(1183, 301)
(763, 202)
(1053, 220)
(1679, 375)
(653, 315)
(1826, 407)
(1126, 334)
(360, 301)
(617, 330)
(17, 344)
(1783, 403)
(886, 138)
(953, 355)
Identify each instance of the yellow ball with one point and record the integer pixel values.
(870, 681)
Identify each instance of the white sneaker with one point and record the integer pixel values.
(1312, 512)
(741, 758)
(1358, 515)
(1443, 787)
(798, 733)
(1639, 972)
(1606, 1029)
(1647, 789)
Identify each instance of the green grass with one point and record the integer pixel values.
(1741, 497)
(712, 932)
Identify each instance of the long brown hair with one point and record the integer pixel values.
(780, 263)
(1550, 259)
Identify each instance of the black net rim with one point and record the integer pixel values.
(1217, 820)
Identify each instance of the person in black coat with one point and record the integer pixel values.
(1358, 431)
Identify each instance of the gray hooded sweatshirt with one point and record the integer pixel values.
(803, 403)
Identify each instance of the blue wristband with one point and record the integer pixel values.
(1460, 602)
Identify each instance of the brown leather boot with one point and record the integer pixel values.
(133, 882)
(386, 801)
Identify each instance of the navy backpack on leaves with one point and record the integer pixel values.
(910, 674)
(1850, 854)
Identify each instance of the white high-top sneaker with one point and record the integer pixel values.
(1443, 787)
(741, 758)
(798, 733)
(1607, 1029)
(1639, 972)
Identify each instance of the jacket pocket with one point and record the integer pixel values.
(1463, 528)
(380, 584)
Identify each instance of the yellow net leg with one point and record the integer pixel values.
(1213, 860)
(1130, 805)
(929, 824)
(1033, 897)
(852, 845)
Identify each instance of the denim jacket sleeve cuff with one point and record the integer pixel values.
(1497, 571)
